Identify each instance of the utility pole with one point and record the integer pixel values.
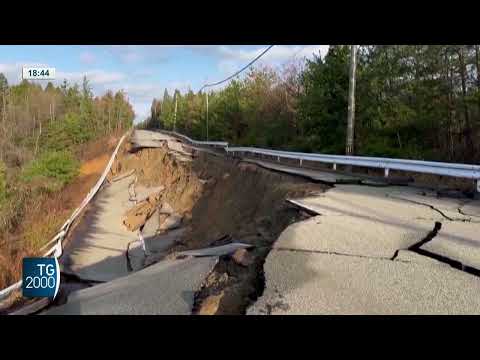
(351, 101)
(207, 114)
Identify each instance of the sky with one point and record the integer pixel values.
(145, 71)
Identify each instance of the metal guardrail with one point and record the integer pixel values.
(465, 171)
(222, 144)
(428, 167)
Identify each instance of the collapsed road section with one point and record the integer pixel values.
(176, 230)
(183, 230)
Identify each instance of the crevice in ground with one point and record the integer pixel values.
(453, 263)
(429, 237)
(416, 248)
(430, 206)
(328, 252)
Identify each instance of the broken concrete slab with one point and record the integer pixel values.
(165, 288)
(166, 209)
(311, 283)
(353, 235)
(143, 193)
(368, 202)
(459, 241)
(136, 256)
(96, 249)
(145, 138)
(162, 242)
(177, 146)
(216, 250)
(181, 158)
(152, 225)
(172, 222)
(136, 217)
(317, 175)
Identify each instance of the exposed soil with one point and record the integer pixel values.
(222, 200)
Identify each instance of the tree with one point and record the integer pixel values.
(3, 83)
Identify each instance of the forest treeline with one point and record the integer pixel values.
(412, 101)
(41, 129)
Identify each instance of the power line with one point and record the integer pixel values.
(239, 71)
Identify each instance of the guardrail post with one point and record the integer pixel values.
(387, 170)
(301, 161)
(278, 158)
(478, 185)
(334, 166)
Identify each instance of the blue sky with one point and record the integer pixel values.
(144, 71)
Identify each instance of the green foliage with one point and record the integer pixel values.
(3, 82)
(67, 133)
(57, 167)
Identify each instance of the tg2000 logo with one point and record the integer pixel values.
(41, 277)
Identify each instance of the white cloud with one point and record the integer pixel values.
(88, 58)
(233, 58)
(95, 77)
(130, 54)
(159, 53)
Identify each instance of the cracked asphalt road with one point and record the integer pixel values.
(358, 256)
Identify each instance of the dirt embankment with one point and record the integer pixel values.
(222, 201)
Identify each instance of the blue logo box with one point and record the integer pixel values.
(41, 277)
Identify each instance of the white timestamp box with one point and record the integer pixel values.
(38, 73)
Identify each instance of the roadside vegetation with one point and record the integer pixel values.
(412, 101)
(45, 135)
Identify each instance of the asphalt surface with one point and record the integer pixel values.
(165, 288)
(459, 241)
(358, 255)
(299, 283)
(353, 235)
(98, 245)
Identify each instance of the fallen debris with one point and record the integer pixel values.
(210, 305)
(166, 209)
(152, 225)
(138, 215)
(215, 251)
(171, 222)
(242, 257)
(144, 193)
